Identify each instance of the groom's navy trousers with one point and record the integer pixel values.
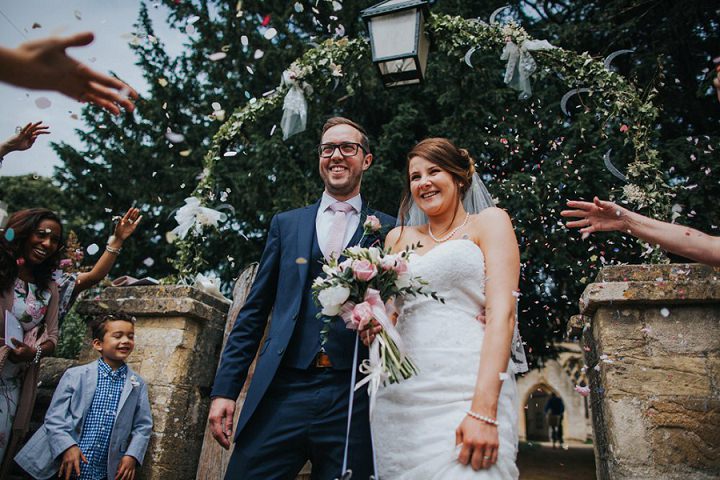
(294, 411)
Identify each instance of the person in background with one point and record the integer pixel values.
(23, 139)
(603, 216)
(43, 65)
(70, 285)
(30, 250)
(554, 409)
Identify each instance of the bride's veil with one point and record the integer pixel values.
(476, 199)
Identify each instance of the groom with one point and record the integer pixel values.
(297, 404)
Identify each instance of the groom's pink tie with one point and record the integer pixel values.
(334, 244)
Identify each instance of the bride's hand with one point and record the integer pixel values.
(479, 442)
(367, 333)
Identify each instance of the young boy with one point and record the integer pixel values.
(99, 421)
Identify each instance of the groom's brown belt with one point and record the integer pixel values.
(322, 360)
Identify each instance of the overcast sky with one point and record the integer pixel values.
(111, 21)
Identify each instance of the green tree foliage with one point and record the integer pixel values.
(531, 156)
(24, 191)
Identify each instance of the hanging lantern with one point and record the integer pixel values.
(398, 41)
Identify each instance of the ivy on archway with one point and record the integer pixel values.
(338, 60)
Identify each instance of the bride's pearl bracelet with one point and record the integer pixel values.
(483, 418)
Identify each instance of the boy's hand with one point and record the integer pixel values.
(71, 462)
(126, 470)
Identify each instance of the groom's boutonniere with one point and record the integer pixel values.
(371, 225)
(134, 381)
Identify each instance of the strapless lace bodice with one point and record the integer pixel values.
(414, 421)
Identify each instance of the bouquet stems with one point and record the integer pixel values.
(398, 367)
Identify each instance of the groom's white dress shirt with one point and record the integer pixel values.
(324, 219)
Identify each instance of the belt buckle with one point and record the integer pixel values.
(322, 360)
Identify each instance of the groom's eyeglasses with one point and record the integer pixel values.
(348, 149)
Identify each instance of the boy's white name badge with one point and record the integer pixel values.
(13, 329)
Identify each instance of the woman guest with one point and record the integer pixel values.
(70, 285)
(30, 251)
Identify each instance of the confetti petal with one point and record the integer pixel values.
(43, 103)
(266, 21)
(9, 234)
(270, 33)
(174, 137)
(217, 56)
(93, 249)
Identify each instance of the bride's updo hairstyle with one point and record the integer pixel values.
(443, 153)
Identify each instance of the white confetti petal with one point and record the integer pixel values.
(43, 103)
(299, 7)
(93, 249)
(148, 262)
(192, 19)
(189, 29)
(270, 33)
(174, 137)
(216, 106)
(217, 56)
(244, 41)
(230, 154)
(258, 54)
(665, 312)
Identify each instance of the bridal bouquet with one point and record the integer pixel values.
(364, 287)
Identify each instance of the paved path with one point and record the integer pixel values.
(539, 461)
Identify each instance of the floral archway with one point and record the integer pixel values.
(321, 68)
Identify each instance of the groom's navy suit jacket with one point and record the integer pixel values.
(282, 282)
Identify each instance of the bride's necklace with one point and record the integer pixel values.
(449, 235)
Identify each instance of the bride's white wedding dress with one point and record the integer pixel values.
(414, 421)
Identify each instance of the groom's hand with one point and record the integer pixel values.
(221, 420)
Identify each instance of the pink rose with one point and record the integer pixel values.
(361, 316)
(372, 224)
(401, 266)
(624, 128)
(364, 270)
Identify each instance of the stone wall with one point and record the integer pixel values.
(652, 348)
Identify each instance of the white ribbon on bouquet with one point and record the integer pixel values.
(372, 367)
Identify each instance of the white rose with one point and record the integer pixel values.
(354, 250)
(403, 281)
(374, 254)
(332, 298)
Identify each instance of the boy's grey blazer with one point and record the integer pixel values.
(42, 455)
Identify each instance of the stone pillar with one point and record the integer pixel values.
(179, 333)
(652, 350)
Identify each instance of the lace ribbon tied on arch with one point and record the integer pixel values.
(521, 65)
(294, 119)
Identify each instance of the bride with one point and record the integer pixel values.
(457, 418)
